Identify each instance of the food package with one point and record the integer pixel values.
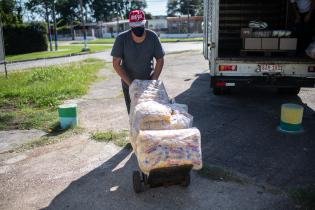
(177, 121)
(167, 148)
(151, 111)
(147, 90)
(179, 108)
(310, 51)
(152, 115)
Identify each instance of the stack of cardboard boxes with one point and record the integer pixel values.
(266, 43)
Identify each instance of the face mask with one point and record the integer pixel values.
(138, 31)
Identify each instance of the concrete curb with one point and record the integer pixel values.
(48, 58)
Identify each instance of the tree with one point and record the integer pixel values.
(68, 11)
(106, 10)
(135, 5)
(44, 9)
(11, 11)
(185, 7)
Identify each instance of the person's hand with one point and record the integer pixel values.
(307, 18)
(154, 77)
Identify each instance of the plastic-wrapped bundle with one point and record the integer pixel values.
(179, 108)
(155, 116)
(167, 148)
(177, 121)
(151, 111)
(148, 90)
(310, 51)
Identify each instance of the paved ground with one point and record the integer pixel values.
(168, 47)
(238, 132)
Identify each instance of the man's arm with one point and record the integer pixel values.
(120, 71)
(158, 69)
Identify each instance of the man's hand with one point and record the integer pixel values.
(120, 71)
(158, 69)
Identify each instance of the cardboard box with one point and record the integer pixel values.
(252, 43)
(288, 43)
(270, 43)
(246, 32)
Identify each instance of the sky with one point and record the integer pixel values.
(156, 7)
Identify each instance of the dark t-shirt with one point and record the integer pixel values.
(137, 58)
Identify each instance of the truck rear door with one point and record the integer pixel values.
(211, 9)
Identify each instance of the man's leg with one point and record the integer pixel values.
(125, 89)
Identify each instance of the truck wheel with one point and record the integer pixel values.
(221, 90)
(218, 90)
(289, 91)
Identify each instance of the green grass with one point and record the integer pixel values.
(219, 174)
(63, 51)
(304, 197)
(29, 99)
(112, 40)
(120, 138)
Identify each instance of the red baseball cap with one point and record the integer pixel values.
(137, 18)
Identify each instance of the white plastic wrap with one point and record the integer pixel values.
(147, 112)
(179, 108)
(310, 51)
(155, 116)
(167, 148)
(151, 111)
(178, 121)
(147, 90)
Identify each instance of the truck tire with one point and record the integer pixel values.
(289, 91)
(221, 90)
(218, 90)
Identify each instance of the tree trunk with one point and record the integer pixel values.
(55, 26)
(49, 31)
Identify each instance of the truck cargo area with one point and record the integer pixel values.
(236, 14)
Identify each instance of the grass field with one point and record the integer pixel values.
(63, 51)
(111, 41)
(29, 99)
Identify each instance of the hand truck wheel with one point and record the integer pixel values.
(186, 181)
(136, 178)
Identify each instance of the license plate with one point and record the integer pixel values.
(269, 68)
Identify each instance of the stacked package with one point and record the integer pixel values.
(160, 132)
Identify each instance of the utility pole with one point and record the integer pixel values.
(55, 26)
(84, 30)
(188, 12)
(2, 53)
(117, 18)
(49, 29)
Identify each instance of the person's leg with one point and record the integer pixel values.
(127, 96)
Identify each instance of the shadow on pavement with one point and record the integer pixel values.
(239, 131)
(110, 187)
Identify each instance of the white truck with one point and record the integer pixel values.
(229, 68)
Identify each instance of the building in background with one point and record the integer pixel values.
(179, 25)
(158, 24)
